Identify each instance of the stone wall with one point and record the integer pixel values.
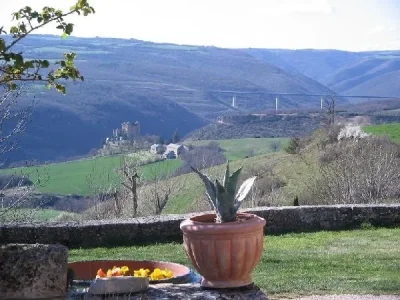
(33, 271)
(166, 227)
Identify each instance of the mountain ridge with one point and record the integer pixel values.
(163, 86)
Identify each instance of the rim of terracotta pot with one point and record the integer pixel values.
(204, 223)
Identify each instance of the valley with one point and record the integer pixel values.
(222, 102)
(167, 87)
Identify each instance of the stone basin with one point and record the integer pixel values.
(87, 270)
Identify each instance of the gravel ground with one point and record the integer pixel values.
(351, 297)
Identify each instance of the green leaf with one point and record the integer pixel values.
(16, 16)
(232, 182)
(69, 28)
(22, 28)
(226, 174)
(28, 9)
(64, 36)
(19, 60)
(28, 64)
(14, 30)
(60, 88)
(245, 189)
(45, 63)
(209, 185)
(2, 44)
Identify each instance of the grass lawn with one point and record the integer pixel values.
(71, 177)
(391, 130)
(359, 261)
(240, 148)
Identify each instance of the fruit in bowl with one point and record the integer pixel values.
(157, 273)
(86, 271)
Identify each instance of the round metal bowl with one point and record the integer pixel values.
(87, 270)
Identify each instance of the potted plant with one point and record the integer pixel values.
(224, 247)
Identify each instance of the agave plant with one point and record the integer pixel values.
(223, 197)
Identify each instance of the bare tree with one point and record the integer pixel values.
(14, 196)
(13, 120)
(101, 184)
(266, 190)
(161, 187)
(329, 110)
(129, 174)
(275, 146)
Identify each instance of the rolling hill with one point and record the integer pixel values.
(348, 73)
(163, 86)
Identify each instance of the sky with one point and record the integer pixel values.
(354, 25)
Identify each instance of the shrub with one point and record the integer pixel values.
(358, 171)
(293, 146)
(11, 181)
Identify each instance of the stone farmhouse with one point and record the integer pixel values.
(168, 151)
(157, 149)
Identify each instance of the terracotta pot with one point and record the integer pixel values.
(224, 254)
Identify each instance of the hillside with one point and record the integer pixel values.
(347, 73)
(316, 64)
(163, 86)
(377, 75)
(253, 126)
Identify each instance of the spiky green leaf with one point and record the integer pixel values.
(232, 182)
(226, 174)
(210, 188)
(225, 205)
(245, 189)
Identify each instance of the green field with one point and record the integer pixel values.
(72, 177)
(344, 262)
(391, 130)
(235, 149)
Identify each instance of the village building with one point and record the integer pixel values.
(157, 149)
(175, 148)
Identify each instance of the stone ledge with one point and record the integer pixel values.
(33, 271)
(122, 232)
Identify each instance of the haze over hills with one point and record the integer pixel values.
(374, 73)
(167, 87)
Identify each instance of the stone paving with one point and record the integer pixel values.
(184, 291)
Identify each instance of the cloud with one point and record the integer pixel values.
(377, 29)
(310, 7)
